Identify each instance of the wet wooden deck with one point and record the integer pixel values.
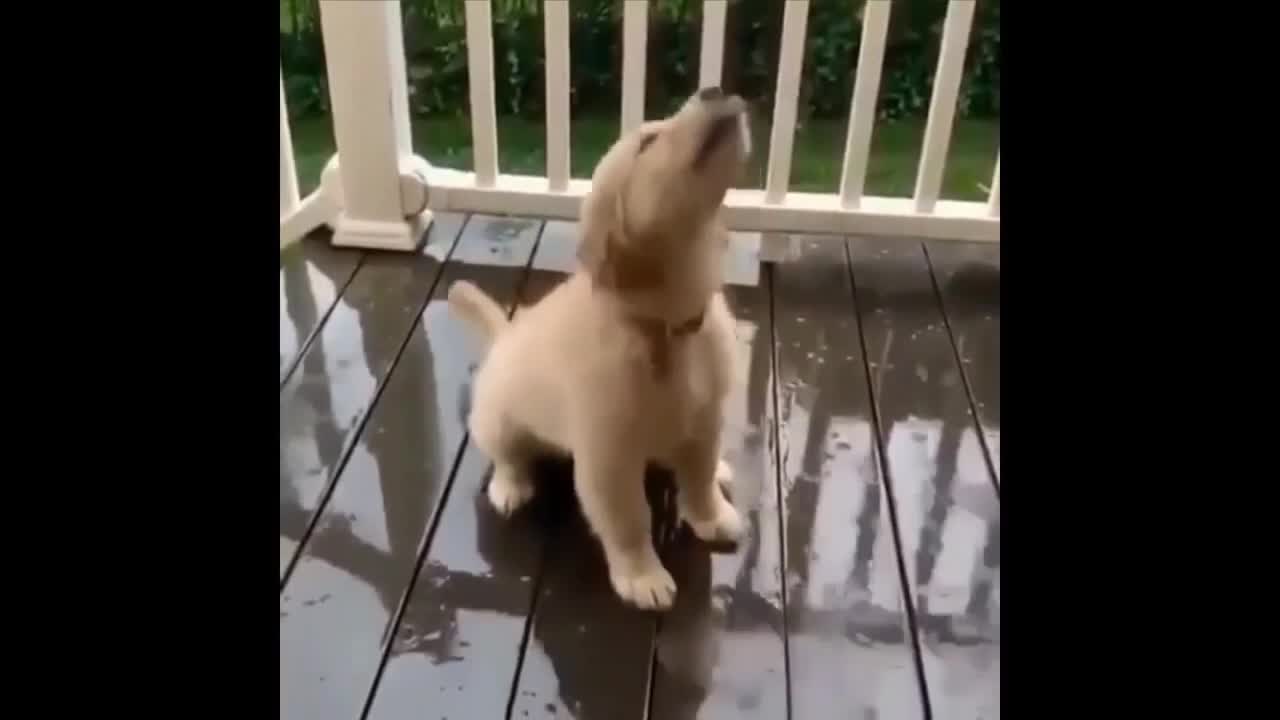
(864, 435)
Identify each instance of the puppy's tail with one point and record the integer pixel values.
(473, 305)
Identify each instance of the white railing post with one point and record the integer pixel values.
(993, 199)
(711, 60)
(380, 185)
(942, 106)
(635, 40)
(556, 37)
(484, 115)
(782, 136)
(862, 111)
(288, 171)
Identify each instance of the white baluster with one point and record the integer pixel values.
(993, 200)
(862, 112)
(942, 106)
(790, 60)
(711, 62)
(484, 117)
(556, 29)
(635, 38)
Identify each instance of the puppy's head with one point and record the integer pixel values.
(656, 191)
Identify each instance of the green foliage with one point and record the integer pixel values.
(436, 56)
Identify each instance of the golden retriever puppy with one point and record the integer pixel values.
(628, 361)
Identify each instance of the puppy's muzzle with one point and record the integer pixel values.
(718, 103)
(724, 115)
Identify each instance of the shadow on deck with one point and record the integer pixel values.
(864, 434)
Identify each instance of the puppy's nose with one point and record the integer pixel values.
(709, 94)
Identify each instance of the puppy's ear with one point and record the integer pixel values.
(606, 257)
(613, 265)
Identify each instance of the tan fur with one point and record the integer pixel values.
(582, 372)
(470, 302)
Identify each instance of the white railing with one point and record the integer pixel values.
(376, 193)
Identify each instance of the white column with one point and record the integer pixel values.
(383, 187)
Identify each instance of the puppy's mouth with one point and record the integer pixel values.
(721, 130)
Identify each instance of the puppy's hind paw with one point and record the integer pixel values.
(651, 589)
(724, 526)
(508, 491)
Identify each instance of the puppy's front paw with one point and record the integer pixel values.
(723, 525)
(652, 588)
(508, 490)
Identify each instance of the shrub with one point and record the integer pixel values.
(436, 56)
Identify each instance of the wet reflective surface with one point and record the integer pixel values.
(327, 396)
(948, 512)
(588, 655)
(312, 273)
(742, 262)
(848, 632)
(463, 623)
(515, 618)
(968, 276)
(356, 563)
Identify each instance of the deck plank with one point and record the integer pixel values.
(968, 277)
(588, 655)
(947, 512)
(323, 402)
(848, 635)
(313, 274)
(455, 647)
(354, 570)
(720, 652)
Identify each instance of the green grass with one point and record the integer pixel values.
(815, 166)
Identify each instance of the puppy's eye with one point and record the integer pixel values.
(646, 141)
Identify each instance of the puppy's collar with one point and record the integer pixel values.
(661, 335)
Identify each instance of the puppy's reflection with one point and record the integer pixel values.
(687, 643)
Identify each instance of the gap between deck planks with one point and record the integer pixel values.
(325, 402)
